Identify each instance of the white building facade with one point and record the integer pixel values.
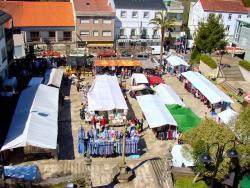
(132, 23)
(229, 13)
(3, 54)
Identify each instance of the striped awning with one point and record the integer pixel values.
(118, 63)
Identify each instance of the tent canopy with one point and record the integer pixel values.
(179, 159)
(209, 90)
(105, 94)
(34, 122)
(118, 63)
(184, 117)
(227, 115)
(176, 61)
(156, 113)
(53, 77)
(155, 80)
(168, 95)
(35, 81)
(138, 78)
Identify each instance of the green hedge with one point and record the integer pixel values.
(208, 61)
(245, 64)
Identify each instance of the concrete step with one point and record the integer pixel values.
(158, 168)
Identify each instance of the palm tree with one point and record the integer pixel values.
(164, 23)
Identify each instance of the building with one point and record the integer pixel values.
(43, 25)
(242, 36)
(228, 10)
(6, 43)
(95, 22)
(132, 24)
(175, 11)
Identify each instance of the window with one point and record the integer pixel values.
(107, 21)
(220, 15)
(123, 14)
(229, 16)
(157, 14)
(134, 14)
(146, 15)
(67, 35)
(96, 21)
(122, 32)
(239, 16)
(84, 21)
(4, 54)
(227, 27)
(84, 33)
(34, 36)
(1, 33)
(95, 33)
(52, 34)
(133, 32)
(106, 34)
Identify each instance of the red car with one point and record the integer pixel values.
(106, 54)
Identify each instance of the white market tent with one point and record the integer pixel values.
(138, 78)
(155, 111)
(53, 77)
(176, 61)
(209, 90)
(105, 94)
(179, 160)
(35, 121)
(168, 95)
(227, 115)
(35, 81)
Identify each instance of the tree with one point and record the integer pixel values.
(164, 23)
(207, 133)
(210, 35)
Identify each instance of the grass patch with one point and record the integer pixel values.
(245, 64)
(208, 61)
(187, 182)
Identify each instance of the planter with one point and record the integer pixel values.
(245, 74)
(208, 71)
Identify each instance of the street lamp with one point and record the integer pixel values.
(206, 158)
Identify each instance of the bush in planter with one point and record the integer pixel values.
(245, 64)
(208, 61)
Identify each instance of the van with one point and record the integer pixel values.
(155, 50)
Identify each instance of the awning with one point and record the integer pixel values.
(155, 111)
(176, 61)
(138, 78)
(53, 77)
(117, 63)
(35, 81)
(100, 45)
(227, 115)
(105, 94)
(155, 80)
(34, 122)
(179, 158)
(168, 95)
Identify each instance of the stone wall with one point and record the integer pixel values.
(245, 73)
(208, 71)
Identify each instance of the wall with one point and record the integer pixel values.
(3, 64)
(129, 23)
(244, 38)
(208, 71)
(91, 27)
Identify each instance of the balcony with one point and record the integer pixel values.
(33, 39)
(122, 37)
(49, 40)
(156, 37)
(134, 37)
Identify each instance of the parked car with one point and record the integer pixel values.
(142, 56)
(106, 54)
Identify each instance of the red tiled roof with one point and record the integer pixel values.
(39, 14)
(231, 6)
(92, 5)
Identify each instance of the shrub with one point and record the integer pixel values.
(245, 64)
(194, 54)
(208, 61)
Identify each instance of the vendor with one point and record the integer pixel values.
(103, 122)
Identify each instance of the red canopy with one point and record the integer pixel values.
(155, 80)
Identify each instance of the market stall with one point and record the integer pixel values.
(155, 80)
(227, 115)
(203, 89)
(168, 95)
(138, 78)
(53, 77)
(158, 117)
(105, 99)
(117, 67)
(176, 65)
(35, 121)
